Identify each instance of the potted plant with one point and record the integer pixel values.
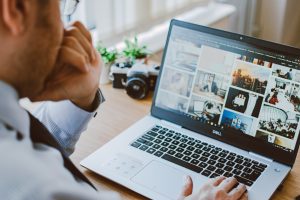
(108, 57)
(133, 51)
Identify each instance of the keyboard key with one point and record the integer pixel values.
(204, 159)
(175, 142)
(204, 143)
(198, 151)
(262, 165)
(179, 149)
(162, 132)
(141, 140)
(190, 148)
(136, 144)
(247, 164)
(247, 159)
(195, 162)
(211, 146)
(197, 141)
(144, 148)
(195, 156)
(255, 167)
(148, 137)
(211, 162)
(206, 154)
(153, 134)
(155, 129)
(238, 166)
(206, 149)
(222, 155)
(206, 173)
(158, 153)
(243, 180)
(186, 158)
(165, 144)
(157, 141)
(218, 149)
(211, 168)
(199, 146)
(254, 162)
(172, 147)
(182, 145)
(187, 153)
(230, 163)
(230, 158)
(214, 157)
(232, 154)
(214, 175)
(228, 169)
(161, 137)
(214, 152)
(236, 171)
(239, 161)
(220, 165)
(247, 170)
(164, 149)
(220, 171)
(183, 140)
(156, 146)
(227, 174)
(202, 164)
(179, 155)
(168, 140)
(171, 152)
(222, 160)
(182, 163)
(151, 150)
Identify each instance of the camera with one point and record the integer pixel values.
(137, 79)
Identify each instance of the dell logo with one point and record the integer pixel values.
(217, 133)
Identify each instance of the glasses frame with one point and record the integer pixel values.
(68, 7)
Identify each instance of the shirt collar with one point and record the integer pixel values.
(11, 113)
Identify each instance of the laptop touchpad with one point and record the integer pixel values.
(161, 178)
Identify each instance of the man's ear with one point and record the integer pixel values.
(15, 14)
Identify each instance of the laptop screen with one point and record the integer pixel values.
(231, 86)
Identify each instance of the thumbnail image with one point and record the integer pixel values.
(171, 102)
(271, 138)
(250, 77)
(256, 61)
(205, 109)
(244, 102)
(237, 121)
(283, 72)
(216, 60)
(278, 121)
(177, 82)
(283, 94)
(211, 85)
(182, 55)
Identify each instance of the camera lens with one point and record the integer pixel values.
(137, 88)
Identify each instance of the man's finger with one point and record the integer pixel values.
(74, 44)
(238, 192)
(228, 184)
(83, 41)
(71, 57)
(84, 31)
(216, 181)
(244, 196)
(187, 189)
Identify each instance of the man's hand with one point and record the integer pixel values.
(219, 188)
(77, 71)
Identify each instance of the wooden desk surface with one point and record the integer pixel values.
(119, 112)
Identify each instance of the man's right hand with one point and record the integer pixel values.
(219, 188)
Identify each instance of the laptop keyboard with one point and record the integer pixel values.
(198, 156)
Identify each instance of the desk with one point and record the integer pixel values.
(119, 112)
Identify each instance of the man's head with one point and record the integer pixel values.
(31, 33)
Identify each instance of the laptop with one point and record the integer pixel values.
(258, 147)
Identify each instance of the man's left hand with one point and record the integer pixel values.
(77, 70)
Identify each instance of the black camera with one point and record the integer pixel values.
(137, 79)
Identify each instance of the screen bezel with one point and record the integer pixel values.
(245, 142)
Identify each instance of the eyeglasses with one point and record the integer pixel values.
(68, 7)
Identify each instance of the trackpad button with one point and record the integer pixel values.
(161, 178)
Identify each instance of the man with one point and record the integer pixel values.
(41, 60)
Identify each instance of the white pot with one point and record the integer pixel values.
(104, 78)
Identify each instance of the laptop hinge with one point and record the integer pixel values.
(170, 124)
(261, 157)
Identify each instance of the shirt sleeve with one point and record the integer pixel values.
(65, 122)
